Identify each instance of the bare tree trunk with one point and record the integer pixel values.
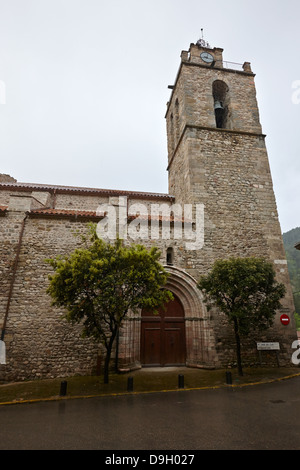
(106, 366)
(108, 356)
(117, 352)
(238, 346)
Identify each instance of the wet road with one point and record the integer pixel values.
(255, 417)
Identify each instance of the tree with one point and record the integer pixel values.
(293, 259)
(245, 289)
(100, 284)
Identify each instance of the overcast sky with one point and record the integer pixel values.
(86, 87)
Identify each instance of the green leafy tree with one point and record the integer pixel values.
(245, 289)
(293, 259)
(99, 285)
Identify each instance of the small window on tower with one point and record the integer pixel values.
(170, 256)
(176, 121)
(172, 133)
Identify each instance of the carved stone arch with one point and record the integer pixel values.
(199, 337)
(200, 343)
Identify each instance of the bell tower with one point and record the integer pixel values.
(217, 157)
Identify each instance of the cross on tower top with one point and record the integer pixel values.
(201, 42)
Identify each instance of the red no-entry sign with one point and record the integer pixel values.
(285, 319)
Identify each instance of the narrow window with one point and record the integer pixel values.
(172, 134)
(176, 120)
(170, 256)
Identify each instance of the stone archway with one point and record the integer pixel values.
(200, 342)
(200, 350)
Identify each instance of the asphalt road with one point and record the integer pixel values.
(254, 417)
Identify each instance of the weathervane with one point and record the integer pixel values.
(201, 42)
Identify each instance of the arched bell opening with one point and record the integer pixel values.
(221, 104)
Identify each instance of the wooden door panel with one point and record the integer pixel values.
(174, 346)
(151, 353)
(163, 336)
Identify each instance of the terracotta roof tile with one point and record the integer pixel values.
(3, 210)
(63, 213)
(93, 215)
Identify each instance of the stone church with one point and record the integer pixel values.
(220, 203)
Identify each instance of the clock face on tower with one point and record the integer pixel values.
(207, 57)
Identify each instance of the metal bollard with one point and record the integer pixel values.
(180, 381)
(130, 384)
(63, 389)
(228, 378)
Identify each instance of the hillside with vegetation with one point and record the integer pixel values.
(293, 258)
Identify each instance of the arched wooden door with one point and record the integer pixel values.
(163, 336)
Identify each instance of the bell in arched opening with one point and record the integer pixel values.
(221, 104)
(219, 113)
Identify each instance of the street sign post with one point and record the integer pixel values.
(268, 346)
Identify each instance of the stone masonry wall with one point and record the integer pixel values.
(228, 172)
(39, 342)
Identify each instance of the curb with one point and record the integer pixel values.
(102, 395)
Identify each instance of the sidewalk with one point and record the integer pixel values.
(146, 380)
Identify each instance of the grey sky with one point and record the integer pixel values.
(86, 86)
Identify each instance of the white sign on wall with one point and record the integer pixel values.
(268, 346)
(2, 352)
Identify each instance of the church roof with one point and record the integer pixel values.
(17, 186)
